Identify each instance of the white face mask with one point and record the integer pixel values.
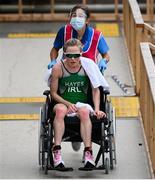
(77, 22)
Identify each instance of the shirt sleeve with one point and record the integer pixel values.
(103, 46)
(59, 40)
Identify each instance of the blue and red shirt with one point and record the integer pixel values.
(93, 41)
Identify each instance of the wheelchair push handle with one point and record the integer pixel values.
(46, 92)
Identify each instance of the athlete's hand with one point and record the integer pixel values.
(100, 114)
(71, 109)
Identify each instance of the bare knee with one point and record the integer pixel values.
(83, 114)
(60, 111)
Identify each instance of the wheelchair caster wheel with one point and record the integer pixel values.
(46, 170)
(76, 146)
(107, 165)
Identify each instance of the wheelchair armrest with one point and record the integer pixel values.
(46, 92)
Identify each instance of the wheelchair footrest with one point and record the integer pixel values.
(93, 168)
(61, 168)
(87, 169)
(100, 167)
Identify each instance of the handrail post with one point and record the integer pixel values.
(20, 8)
(84, 2)
(137, 58)
(133, 26)
(150, 11)
(126, 20)
(116, 8)
(52, 8)
(147, 99)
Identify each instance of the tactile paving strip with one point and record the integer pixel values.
(31, 35)
(124, 107)
(22, 100)
(19, 116)
(108, 29)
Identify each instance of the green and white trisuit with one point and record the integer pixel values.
(73, 87)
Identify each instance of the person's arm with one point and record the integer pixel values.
(56, 74)
(103, 47)
(54, 53)
(96, 98)
(103, 50)
(106, 56)
(58, 43)
(96, 101)
(53, 56)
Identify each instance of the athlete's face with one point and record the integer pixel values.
(73, 56)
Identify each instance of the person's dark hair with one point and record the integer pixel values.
(81, 6)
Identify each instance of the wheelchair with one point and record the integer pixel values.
(103, 134)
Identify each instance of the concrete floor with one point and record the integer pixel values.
(19, 153)
(30, 57)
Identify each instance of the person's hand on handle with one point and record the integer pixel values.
(51, 64)
(102, 64)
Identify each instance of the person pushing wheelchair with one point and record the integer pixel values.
(70, 77)
(94, 42)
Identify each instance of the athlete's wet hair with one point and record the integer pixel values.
(80, 6)
(72, 42)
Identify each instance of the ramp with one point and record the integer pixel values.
(23, 61)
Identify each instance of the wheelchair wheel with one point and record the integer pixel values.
(112, 151)
(48, 153)
(111, 117)
(41, 153)
(111, 134)
(103, 143)
(42, 136)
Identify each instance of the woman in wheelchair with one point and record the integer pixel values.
(69, 86)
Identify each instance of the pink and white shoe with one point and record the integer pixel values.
(89, 160)
(58, 162)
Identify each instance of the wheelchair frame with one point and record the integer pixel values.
(105, 139)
